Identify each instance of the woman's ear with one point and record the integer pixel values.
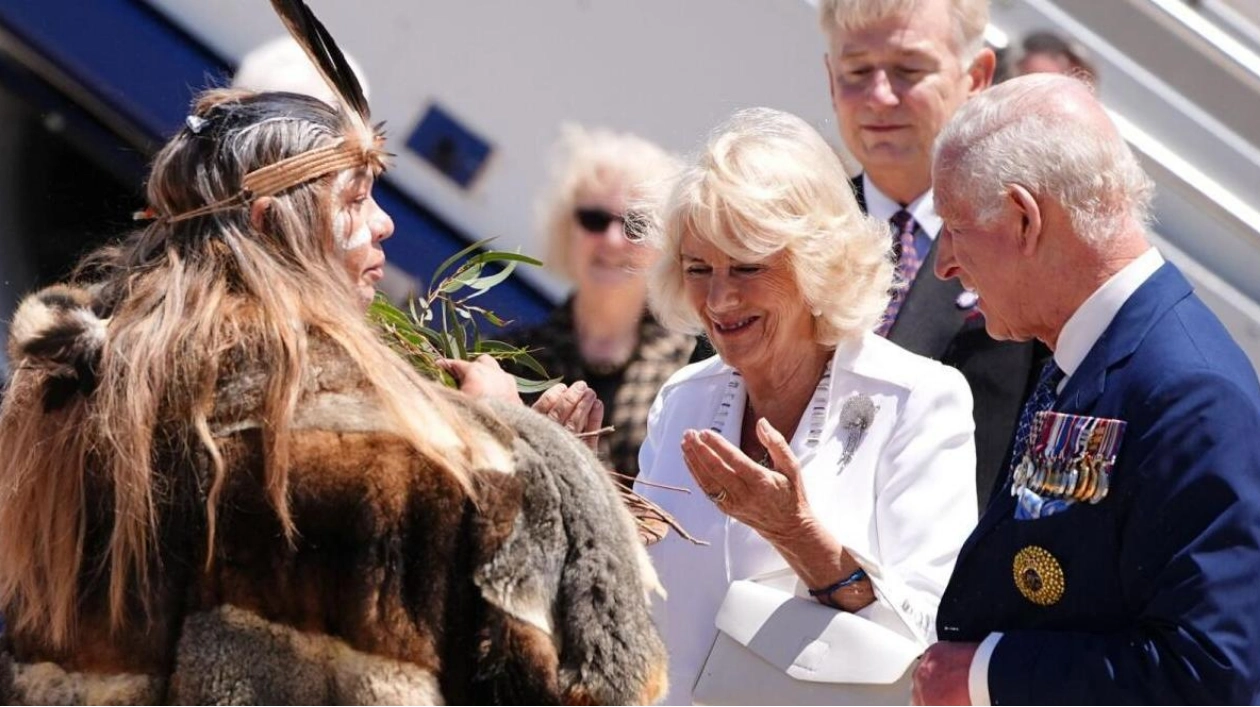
(258, 212)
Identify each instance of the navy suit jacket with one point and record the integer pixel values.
(1001, 373)
(1161, 602)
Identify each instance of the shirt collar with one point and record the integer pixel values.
(1091, 319)
(882, 207)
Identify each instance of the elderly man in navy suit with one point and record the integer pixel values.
(1117, 563)
(898, 69)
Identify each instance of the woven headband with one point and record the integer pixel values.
(292, 171)
(346, 153)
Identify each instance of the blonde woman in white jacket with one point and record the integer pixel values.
(813, 449)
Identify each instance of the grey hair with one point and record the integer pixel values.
(766, 183)
(1027, 131)
(970, 19)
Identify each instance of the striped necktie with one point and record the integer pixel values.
(908, 263)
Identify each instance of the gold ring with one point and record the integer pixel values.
(717, 497)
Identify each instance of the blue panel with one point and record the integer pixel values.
(449, 146)
(147, 69)
(131, 56)
(89, 136)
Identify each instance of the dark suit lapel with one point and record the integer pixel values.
(929, 318)
(1154, 298)
(859, 192)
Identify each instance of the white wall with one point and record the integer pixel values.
(513, 71)
(1174, 97)
(670, 70)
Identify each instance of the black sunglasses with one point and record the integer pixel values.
(597, 221)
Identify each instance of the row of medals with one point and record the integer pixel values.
(1083, 476)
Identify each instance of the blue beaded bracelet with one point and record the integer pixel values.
(825, 593)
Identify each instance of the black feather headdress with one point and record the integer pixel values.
(361, 147)
(319, 45)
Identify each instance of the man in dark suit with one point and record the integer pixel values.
(898, 71)
(1117, 563)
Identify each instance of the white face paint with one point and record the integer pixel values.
(346, 235)
(341, 223)
(358, 227)
(361, 237)
(341, 214)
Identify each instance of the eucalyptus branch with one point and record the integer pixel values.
(444, 324)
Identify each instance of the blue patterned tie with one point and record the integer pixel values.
(1042, 399)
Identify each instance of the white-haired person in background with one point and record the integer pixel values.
(604, 345)
(282, 65)
(811, 444)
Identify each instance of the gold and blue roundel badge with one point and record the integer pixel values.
(1038, 576)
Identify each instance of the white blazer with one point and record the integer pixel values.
(902, 505)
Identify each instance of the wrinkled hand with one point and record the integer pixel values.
(574, 406)
(941, 676)
(483, 378)
(770, 501)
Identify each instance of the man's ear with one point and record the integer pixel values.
(981, 71)
(1030, 217)
(258, 212)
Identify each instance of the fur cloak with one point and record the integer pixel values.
(398, 586)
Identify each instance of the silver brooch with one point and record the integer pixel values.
(856, 417)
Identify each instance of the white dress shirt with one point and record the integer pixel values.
(1081, 331)
(923, 209)
(902, 506)
(1091, 319)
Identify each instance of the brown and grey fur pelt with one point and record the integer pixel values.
(523, 584)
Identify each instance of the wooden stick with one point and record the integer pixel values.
(653, 484)
(595, 433)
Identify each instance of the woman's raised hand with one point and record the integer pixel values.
(768, 500)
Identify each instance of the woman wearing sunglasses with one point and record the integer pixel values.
(609, 352)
